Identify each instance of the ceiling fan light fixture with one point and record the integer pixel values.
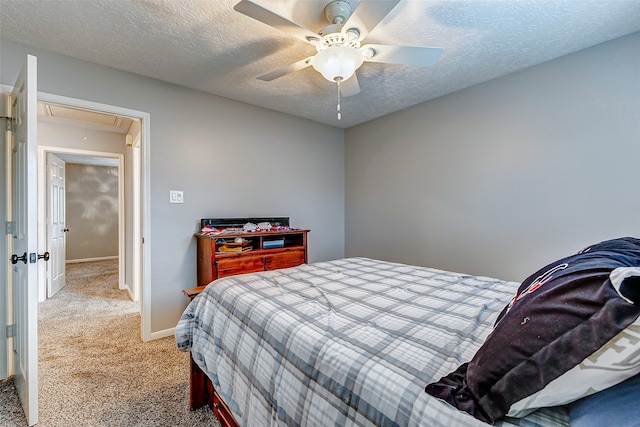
(339, 43)
(337, 63)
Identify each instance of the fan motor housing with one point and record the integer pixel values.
(338, 11)
(333, 38)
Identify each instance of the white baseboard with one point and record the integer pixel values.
(162, 334)
(128, 289)
(104, 258)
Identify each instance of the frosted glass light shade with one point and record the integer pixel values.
(337, 63)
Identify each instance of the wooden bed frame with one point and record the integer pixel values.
(201, 393)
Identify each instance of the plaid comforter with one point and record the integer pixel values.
(351, 342)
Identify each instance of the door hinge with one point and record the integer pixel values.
(11, 331)
(10, 227)
(9, 123)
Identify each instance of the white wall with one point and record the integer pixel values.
(229, 158)
(501, 178)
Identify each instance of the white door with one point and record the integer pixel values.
(56, 224)
(24, 254)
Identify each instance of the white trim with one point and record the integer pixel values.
(145, 123)
(122, 242)
(4, 246)
(163, 334)
(102, 258)
(145, 187)
(137, 215)
(10, 355)
(128, 289)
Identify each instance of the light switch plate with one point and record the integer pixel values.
(176, 196)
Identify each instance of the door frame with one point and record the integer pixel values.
(43, 202)
(143, 246)
(6, 315)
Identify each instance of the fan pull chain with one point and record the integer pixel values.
(338, 107)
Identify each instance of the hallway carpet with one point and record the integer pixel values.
(94, 368)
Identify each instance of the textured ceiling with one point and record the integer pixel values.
(208, 46)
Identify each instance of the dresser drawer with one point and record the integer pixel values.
(284, 260)
(239, 265)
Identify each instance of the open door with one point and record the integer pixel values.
(56, 224)
(24, 256)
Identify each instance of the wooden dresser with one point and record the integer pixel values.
(221, 254)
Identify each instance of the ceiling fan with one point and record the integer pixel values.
(339, 49)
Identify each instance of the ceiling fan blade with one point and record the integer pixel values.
(368, 14)
(285, 69)
(418, 56)
(350, 87)
(266, 16)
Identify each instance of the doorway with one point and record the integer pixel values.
(90, 219)
(88, 148)
(132, 170)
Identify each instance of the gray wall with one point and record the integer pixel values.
(229, 158)
(501, 178)
(91, 211)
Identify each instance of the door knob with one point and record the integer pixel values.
(64, 230)
(45, 256)
(15, 258)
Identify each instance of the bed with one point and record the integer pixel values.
(350, 342)
(362, 342)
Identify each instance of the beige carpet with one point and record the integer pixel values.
(94, 368)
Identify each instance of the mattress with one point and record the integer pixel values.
(349, 342)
